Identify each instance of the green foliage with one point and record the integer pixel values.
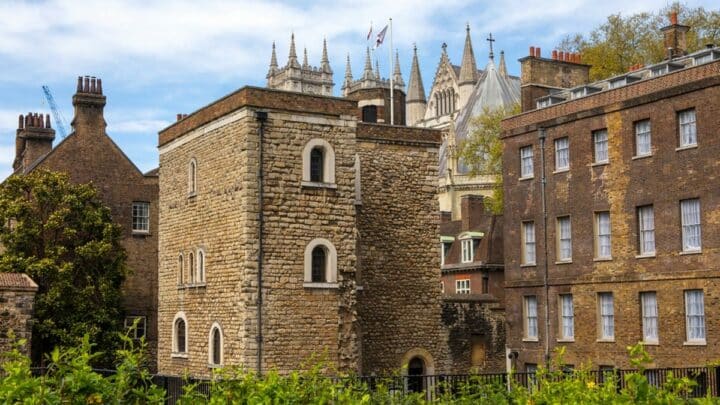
(623, 41)
(61, 235)
(482, 151)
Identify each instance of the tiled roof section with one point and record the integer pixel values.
(398, 134)
(17, 281)
(260, 98)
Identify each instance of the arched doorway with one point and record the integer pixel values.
(416, 371)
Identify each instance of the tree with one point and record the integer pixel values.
(621, 42)
(482, 150)
(63, 237)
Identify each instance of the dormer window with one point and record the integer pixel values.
(622, 81)
(707, 57)
(665, 68)
(547, 101)
(468, 243)
(583, 91)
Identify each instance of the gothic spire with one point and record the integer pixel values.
(305, 64)
(397, 75)
(416, 91)
(367, 72)
(468, 67)
(502, 68)
(324, 61)
(273, 58)
(377, 70)
(292, 57)
(348, 71)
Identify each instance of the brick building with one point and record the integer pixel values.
(288, 228)
(88, 155)
(628, 247)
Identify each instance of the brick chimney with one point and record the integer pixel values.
(89, 103)
(675, 43)
(540, 75)
(472, 210)
(33, 140)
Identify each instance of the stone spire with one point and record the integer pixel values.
(377, 70)
(416, 90)
(348, 74)
(292, 57)
(502, 68)
(325, 61)
(397, 75)
(273, 59)
(367, 72)
(468, 67)
(305, 64)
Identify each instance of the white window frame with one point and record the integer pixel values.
(462, 286)
(444, 251)
(603, 235)
(606, 312)
(175, 353)
(328, 180)
(691, 219)
(650, 317)
(211, 346)
(130, 319)
(468, 250)
(643, 129)
(567, 317)
(562, 154)
(192, 177)
(530, 312)
(601, 154)
(646, 230)
(529, 252)
(143, 221)
(687, 128)
(527, 166)
(330, 263)
(564, 239)
(695, 313)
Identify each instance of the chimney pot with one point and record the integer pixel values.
(79, 85)
(554, 54)
(93, 88)
(99, 86)
(538, 53)
(20, 122)
(86, 84)
(47, 121)
(532, 51)
(567, 56)
(27, 120)
(178, 117)
(673, 17)
(561, 55)
(42, 121)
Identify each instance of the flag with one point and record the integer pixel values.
(369, 32)
(380, 37)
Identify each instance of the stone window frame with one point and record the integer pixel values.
(181, 269)
(201, 258)
(175, 353)
(141, 221)
(192, 270)
(328, 174)
(330, 263)
(192, 177)
(211, 346)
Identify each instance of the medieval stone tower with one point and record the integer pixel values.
(301, 78)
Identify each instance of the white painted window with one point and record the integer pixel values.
(468, 251)
(526, 162)
(562, 154)
(695, 315)
(643, 139)
(528, 243)
(602, 235)
(688, 131)
(531, 317)
(140, 217)
(318, 158)
(646, 225)
(140, 328)
(648, 300)
(215, 346)
(200, 277)
(180, 335)
(320, 264)
(600, 142)
(462, 286)
(564, 232)
(607, 316)
(444, 251)
(567, 317)
(690, 218)
(192, 177)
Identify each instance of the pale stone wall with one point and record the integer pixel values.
(17, 301)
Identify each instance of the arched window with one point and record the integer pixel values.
(179, 335)
(316, 164)
(215, 345)
(192, 268)
(192, 177)
(318, 159)
(180, 269)
(320, 264)
(200, 266)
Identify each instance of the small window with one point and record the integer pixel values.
(526, 162)
(564, 238)
(192, 178)
(486, 284)
(191, 258)
(444, 251)
(215, 352)
(687, 129)
(602, 235)
(695, 316)
(643, 141)
(318, 159)
(528, 243)
(181, 270)
(690, 218)
(141, 217)
(468, 251)
(200, 266)
(319, 264)
(648, 301)
(607, 316)
(562, 154)
(180, 336)
(462, 286)
(531, 317)
(567, 317)
(646, 228)
(316, 165)
(600, 146)
(369, 113)
(136, 330)
(320, 267)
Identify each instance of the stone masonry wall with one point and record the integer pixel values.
(476, 335)
(16, 312)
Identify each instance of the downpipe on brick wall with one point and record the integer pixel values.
(261, 117)
(543, 182)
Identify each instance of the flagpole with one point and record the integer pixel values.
(392, 90)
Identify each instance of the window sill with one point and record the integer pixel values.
(691, 252)
(526, 178)
(531, 340)
(141, 233)
(645, 256)
(179, 355)
(695, 343)
(600, 164)
(564, 262)
(566, 340)
(563, 170)
(650, 343)
(317, 184)
(606, 340)
(602, 259)
(192, 194)
(327, 286)
(528, 265)
(215, 366)
(638, 157)
(686, 147)
(193, 285)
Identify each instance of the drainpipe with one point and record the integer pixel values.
(261, 117)
(543, 182)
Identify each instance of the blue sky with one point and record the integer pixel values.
(162, 57)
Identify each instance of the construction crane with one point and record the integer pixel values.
(60, 122)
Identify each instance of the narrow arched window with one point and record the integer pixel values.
(316, 165)
(201, 266)
(319, 264)
(192, 267)
(192, 178)
(181, 277)
(180, 335)
(216, 347)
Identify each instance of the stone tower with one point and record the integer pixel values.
(416, 102)
(301, 78)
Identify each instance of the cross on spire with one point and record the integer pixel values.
(490, 39)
